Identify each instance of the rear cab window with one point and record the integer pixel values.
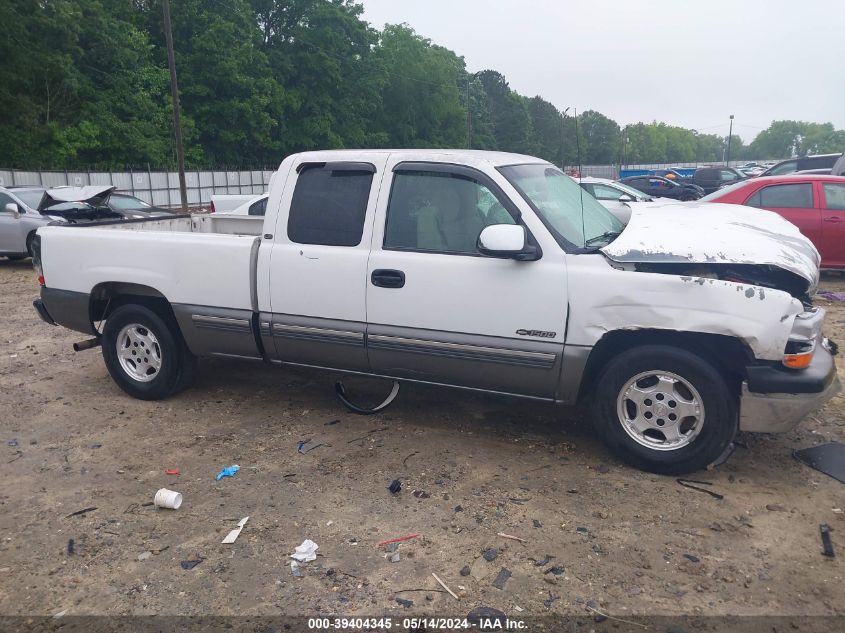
(330, 203)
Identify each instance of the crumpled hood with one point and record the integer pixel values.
(95, 195)
(715, 233)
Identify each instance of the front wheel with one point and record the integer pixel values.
(664, 410)
(145, 354)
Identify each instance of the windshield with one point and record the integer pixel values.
(724, 190)
(558, 200)
(30, 198)
(126, 203)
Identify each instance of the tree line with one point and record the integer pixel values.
(84, 83)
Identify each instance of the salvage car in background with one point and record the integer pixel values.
(479, 270)
(24, 209)
(658, 187)
(802, 163)
(813, 203)
(712, 178)
(617, 197)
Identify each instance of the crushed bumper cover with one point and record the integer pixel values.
(775, 399)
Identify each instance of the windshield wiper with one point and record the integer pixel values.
(609, 236)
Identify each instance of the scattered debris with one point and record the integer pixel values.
(171, 471)
(191, 563)
(582, 530)
(144, 555)
(775, 507)
(167, 499)
(831, 296)
(687, 483)
(305, 552)
(490, 555)
(341, 395)
(826, 458)
(465, 570)
(556, 571)
(404, 603)
(71, 549)
(443, 584)
(405, 461)
(512, 537)
(232, 536)
(548, 603)
(399, 539)
(603, 469)
(295, 571)
(827, 544)
(332, 422)
(395, 558)
(519, 502)
(81, 512)
(13, 442)
(421, 494)
(502, 578)
(229, 471)
(542, 563)
(459, 508)
(537, 524)
(395, 486)
(691, 558)
(306, 446)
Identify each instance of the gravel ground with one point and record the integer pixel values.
(634, 543)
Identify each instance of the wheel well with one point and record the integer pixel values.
(107, 297)
(29, 237)
(727, 354)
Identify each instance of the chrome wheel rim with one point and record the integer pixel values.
(138, 352)
(660, 410)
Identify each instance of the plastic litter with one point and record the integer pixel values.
(81, 512)
(232, 536)
(826, 458)
(405, 603)
(502, 578)
(169, 499)
(144, 555)
(305, 552)
(171, 471)
(398, 539)
(12, 443)
(827, 545)
(306, 446)
(190, 564)
(71, 549)
(295, 571)
(395, 486)
(421, 494)
(229, 471)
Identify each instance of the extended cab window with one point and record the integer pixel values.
(794, 196)
(329, 204)
(441, 212)
(258, 208)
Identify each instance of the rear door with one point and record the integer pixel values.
(795, 202)
(318, 264)
(438, 311)
(833, 223)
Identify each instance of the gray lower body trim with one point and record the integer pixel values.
(217, 331)
(316, 341)
(575, 359)
(486, 363)
(68, 308)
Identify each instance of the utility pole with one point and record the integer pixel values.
(730, 135)
(469, 118)
(174, 91)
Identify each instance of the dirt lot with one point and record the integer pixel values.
(634, 543)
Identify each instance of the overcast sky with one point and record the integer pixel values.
(688, 63)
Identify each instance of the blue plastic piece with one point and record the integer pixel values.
(227, 472)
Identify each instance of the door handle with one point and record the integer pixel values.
(834, 218)
(385, 278)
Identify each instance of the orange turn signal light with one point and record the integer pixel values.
(798, 361)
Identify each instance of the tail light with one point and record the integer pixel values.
(36, 259)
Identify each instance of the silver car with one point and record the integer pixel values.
(19, 219)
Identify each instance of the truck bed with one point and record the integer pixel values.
(215, 257)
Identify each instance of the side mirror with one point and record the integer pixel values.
(506, 241)
(12, 209)
(626, 198)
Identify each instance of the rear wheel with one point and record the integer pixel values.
(145, 354)
(664, 410)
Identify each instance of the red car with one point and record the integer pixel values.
(813, 203)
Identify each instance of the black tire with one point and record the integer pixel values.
(177, 366)
(29, 239)
(15, 258)
(716, 429)
(688, 197)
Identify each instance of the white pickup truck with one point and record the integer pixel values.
(479, 270)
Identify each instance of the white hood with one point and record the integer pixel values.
(714, 233)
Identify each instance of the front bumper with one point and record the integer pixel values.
(775, 399)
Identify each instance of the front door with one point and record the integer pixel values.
(11, 233)
(318, 264)
(833, 225)
(437, 310)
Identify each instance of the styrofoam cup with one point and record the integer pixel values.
(169, 499)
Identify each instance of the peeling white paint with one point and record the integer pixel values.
(714, 233)
(761, 317)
